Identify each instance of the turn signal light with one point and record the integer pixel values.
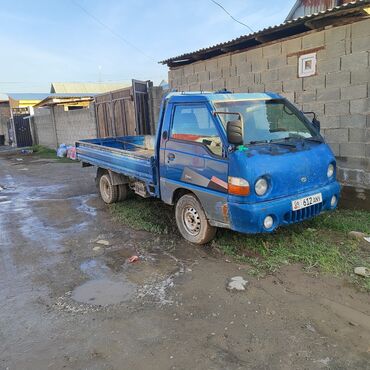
(238, 186)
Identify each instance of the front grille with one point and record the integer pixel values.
(302, 214)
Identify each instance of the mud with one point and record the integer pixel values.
(66, 304)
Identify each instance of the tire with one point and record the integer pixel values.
(192, 221)
(122, 192)
(108, 192)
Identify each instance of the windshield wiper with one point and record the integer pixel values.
(280, 142)
(316, 139)
(257, 142)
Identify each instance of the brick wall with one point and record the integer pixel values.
(339, 92)
(70, 126)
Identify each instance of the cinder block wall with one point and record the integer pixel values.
(75, 125)
(44, 128)
(71, 126)
(339, 92)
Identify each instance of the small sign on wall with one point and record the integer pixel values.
(307, 65)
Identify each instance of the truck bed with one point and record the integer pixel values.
(132, 156)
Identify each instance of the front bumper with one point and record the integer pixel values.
(248, 218)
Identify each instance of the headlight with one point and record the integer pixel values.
(261, 186)
(268, 222)
(330, 171)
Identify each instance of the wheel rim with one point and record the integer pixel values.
(104, 188)
(191, 220)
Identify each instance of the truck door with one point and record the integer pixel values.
(195, 159)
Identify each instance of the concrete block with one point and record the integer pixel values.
(328, 94)
(337, 108)
(276, 87)
(258, 78)
(233, 83)
(254, 54)
(288, 72)
(333, 50)
(313, 40)
(259, 65)
(330, 122)
(361, 29)
(194, 87)
(238, 58)
(192, 78)
(293, 61)
(199, 67)
(352, 150)
(316, 107)
(336, 34)
(293, 85)
(354, 92)
(360, 76)
(215, 75)
(360, 106)
(338, 79)
(188, 69)
(354, 61)
(271, 50)
(211, 64)
(218, 84)
(256, 88)
(306, 96)
(360, 44)
(243, 67)
(276, 62)
(291, 46)
(336, 135)
(229, 71)
(335, 148)
(269, 75)
(204, 76)
(359, 135)
(314, 82)
(326, 66)
(206, 86)
(353, 121)
(247, 79)
(224, 61)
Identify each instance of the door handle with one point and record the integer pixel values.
(171, 156)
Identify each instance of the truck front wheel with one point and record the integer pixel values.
(192, 221)
(108, 192)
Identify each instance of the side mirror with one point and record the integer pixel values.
(234, 131)
(316, 124)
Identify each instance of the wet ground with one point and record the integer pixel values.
(71, 300)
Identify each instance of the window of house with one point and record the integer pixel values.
(307, 65)
(195, 123)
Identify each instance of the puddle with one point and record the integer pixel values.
(104, 292)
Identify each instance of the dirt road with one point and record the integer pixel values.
(68, 302)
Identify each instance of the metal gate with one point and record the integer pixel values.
(22, 130)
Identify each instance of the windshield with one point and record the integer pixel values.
(267, 120)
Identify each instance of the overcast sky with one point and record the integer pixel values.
(48, 40)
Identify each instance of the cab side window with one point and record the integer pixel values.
(195, 123)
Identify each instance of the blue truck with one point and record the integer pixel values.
(246, 162)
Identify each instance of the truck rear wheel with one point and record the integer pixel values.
(192, 221)
(122, 192)
(108, 192)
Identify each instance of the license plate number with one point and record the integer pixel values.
(306, 202)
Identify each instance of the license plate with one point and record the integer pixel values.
(306, 202)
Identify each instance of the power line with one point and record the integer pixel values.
(111, 30)
(233, 18)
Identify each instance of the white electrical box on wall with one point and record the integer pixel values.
(307, 65)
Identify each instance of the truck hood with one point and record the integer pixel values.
(289, 170)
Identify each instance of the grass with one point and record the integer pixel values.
(321, 244)
(47, 153)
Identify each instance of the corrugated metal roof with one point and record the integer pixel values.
(297, 26)
(86, 87)
(27, 96)
(54, 99)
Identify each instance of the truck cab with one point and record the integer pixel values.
(247, 162)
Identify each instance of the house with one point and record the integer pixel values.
(319, 61)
